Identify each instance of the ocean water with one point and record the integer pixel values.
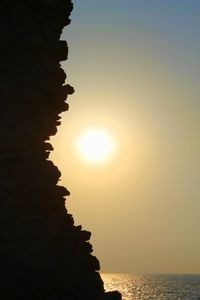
(143, 287)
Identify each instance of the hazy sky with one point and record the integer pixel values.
(135, 67)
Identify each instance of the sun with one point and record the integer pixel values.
(95, 145)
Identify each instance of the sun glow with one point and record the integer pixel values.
(95, 145)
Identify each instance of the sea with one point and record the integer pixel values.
(154, 286)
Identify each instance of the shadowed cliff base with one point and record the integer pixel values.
(43, 255)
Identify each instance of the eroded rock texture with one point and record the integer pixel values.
(43, 255)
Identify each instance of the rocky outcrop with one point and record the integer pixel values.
(43, 255)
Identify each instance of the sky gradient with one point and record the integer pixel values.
(135, 68)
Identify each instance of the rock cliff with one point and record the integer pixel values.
(43, 255)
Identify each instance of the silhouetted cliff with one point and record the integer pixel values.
(43, 255)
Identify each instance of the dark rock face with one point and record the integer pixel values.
(43, 255)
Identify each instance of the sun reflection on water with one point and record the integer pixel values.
(157, 286)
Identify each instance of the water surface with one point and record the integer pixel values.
(143, 287)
